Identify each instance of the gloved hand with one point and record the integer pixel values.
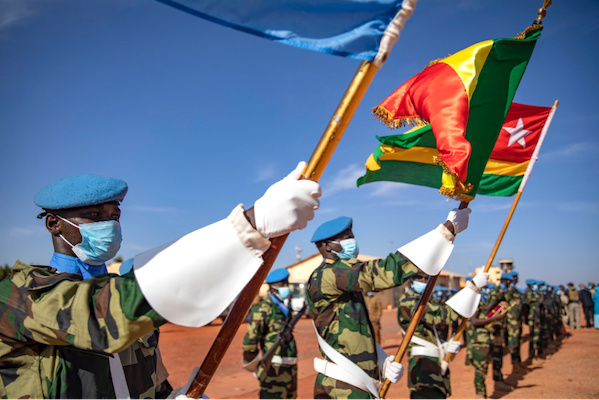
(392, 370)
(459, 219)
(287, 205)
(453, 346)
(481, 279)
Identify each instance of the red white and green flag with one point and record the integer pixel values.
(516, 150)
(511, 161)
(458, 105)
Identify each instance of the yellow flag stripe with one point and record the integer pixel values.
(424, 155)
(469, 62)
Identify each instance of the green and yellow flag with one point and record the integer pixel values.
(518, 143)
(459, 104)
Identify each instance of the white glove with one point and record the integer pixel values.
(459, 219)
(481, 279)
(453, 346)
(392, 370)
(287, 205)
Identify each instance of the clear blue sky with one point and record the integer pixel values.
(198, 118)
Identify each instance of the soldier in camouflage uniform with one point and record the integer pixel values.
(335, 296)
(533, 298)
(497, 298)
(480, 341)
(514, 325)
(268, 320)
(64, 337)
(426, 379)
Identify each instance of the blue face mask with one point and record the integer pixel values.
(534, 287)
(350, 248)
(418, 286)
(100, 241)
(284, 292)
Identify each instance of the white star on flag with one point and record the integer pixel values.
(517, 134)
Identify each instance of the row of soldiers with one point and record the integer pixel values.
(495, 327)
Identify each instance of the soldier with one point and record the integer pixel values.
(498, 298)
(533, 299)
(428, 375)
(375, 312)
(480, 340)
(352, 367)
(61, 335)
(267, 324)
(514, 325)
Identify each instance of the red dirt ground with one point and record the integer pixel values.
(571, 373)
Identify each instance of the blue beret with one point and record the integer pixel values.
(514, 273)
(507, 276)
(469, 278)
(331, 228)
(277, 275)
(491, 285)
(81, 191)
(531, 281)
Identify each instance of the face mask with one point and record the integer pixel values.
(534, 287)
(350, 249)
(418, 286)
(100, 241)
(283, 292)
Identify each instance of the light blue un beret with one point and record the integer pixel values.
(331, 228)
(277, 275)
(508, 276)
(531, 282)
(80, 191)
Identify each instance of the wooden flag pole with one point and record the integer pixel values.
(314, 169)
(418, 313)
(405, 342)
(533, 159)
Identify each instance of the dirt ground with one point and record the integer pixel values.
(571, 373)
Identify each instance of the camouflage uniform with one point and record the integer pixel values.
(267, 320)
(335, 296)
(45, 351)
(514, 323)
(480, 342)
(533, 298)
(424, 372)
(375, 312)
(496, 296)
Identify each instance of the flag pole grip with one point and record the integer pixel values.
(314, 169)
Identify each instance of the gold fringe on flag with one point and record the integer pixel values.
(452, 187)
(387, 118)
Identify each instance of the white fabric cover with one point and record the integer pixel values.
(429, 252)
(192, 280)
(465, 302)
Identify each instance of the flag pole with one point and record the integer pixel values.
(314, 169)
(533, 160)
(418, 313)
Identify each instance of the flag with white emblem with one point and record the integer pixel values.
(514, 149)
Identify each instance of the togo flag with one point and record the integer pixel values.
(458, 104)
(347, 28)
(516, 149)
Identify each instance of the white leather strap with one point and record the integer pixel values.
(348, 366)
(424, 351)
(284, 360)
(332, 370)
(121, 391)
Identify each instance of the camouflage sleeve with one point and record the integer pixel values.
(105, 314)
(254, 333)
(371, 276)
